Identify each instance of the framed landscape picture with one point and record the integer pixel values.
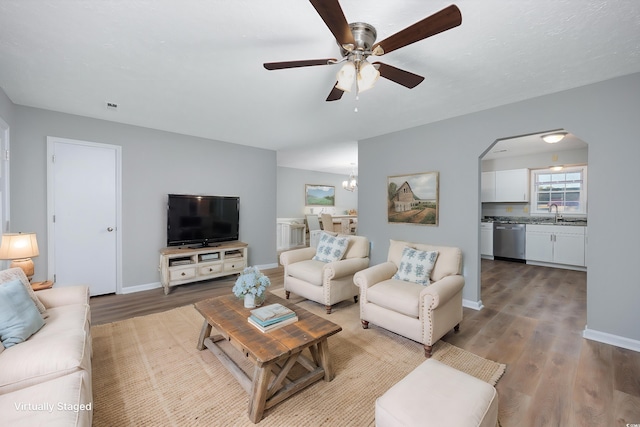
(413, 199)
(319, 195)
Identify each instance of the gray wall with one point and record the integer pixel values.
(154, 163)
(6, 107)
(605, 115)
(291, 197)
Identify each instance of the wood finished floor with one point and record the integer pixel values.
(532, 321)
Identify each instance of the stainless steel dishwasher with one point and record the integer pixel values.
(509, 241)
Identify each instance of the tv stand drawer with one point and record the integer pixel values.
(206, 270)
(182, 273)
(235, 265)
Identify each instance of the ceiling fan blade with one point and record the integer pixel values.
(332, 15)
(295, 64)
(447, 18)
(335, 94)
(402, 77)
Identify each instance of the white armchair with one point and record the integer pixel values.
(423, 313)
(326, 283)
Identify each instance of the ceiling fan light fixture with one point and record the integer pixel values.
(357, 42)
(346, 76)
(367, 76)
(553, 138)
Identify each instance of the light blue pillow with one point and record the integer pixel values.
(416, 266)
(331, 248)
(19, 316)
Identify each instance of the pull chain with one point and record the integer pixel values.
(355, 110)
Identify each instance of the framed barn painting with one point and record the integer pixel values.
(319, 195)
(413, 199)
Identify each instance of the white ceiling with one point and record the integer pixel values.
(195, 67)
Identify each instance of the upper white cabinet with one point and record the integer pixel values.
(488, 187)
(505, 186)
(512, 185)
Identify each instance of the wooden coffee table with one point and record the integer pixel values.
(273, 353)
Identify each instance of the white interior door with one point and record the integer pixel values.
(4, 182)
(84, 232)
(4, 176)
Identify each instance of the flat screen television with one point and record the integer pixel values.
(202, 220)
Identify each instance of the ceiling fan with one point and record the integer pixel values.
(357, 42)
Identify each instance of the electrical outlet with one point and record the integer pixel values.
(509, 209)
(525, 209)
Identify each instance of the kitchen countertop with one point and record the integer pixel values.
(536, 221)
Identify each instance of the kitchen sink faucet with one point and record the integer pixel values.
(557, 216)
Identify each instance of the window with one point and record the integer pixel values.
(566, 188)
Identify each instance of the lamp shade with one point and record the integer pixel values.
(346, 76)
(18, 246)
(367, 76)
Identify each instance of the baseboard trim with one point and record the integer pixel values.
(267, 266)
(476, 305)
(140, 288)
(611, 339)
(553, 265)
(156, 285)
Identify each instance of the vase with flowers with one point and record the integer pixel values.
(251, 285)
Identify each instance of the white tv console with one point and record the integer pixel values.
(187, 265)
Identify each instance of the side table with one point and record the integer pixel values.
(38, 286)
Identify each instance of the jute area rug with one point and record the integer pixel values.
(148, 372)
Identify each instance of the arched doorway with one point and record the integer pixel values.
(553, 189)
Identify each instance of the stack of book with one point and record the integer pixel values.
(271, 317)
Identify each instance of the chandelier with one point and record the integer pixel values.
(351, 183)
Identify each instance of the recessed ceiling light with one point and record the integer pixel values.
(552, 138)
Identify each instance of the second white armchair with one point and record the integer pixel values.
(418, 300)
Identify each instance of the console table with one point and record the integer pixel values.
(187, 265)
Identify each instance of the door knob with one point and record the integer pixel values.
(110, 229)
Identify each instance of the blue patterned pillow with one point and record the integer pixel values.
(331, 248)
(416, 266)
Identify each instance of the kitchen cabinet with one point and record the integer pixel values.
(586, 245)
(556, 244)
(505, 186)
(512, 185)
(486, 240)
(538, 245)
(488, 187)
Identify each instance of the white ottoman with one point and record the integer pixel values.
(435, 394)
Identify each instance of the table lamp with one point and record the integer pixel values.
(20, 247)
